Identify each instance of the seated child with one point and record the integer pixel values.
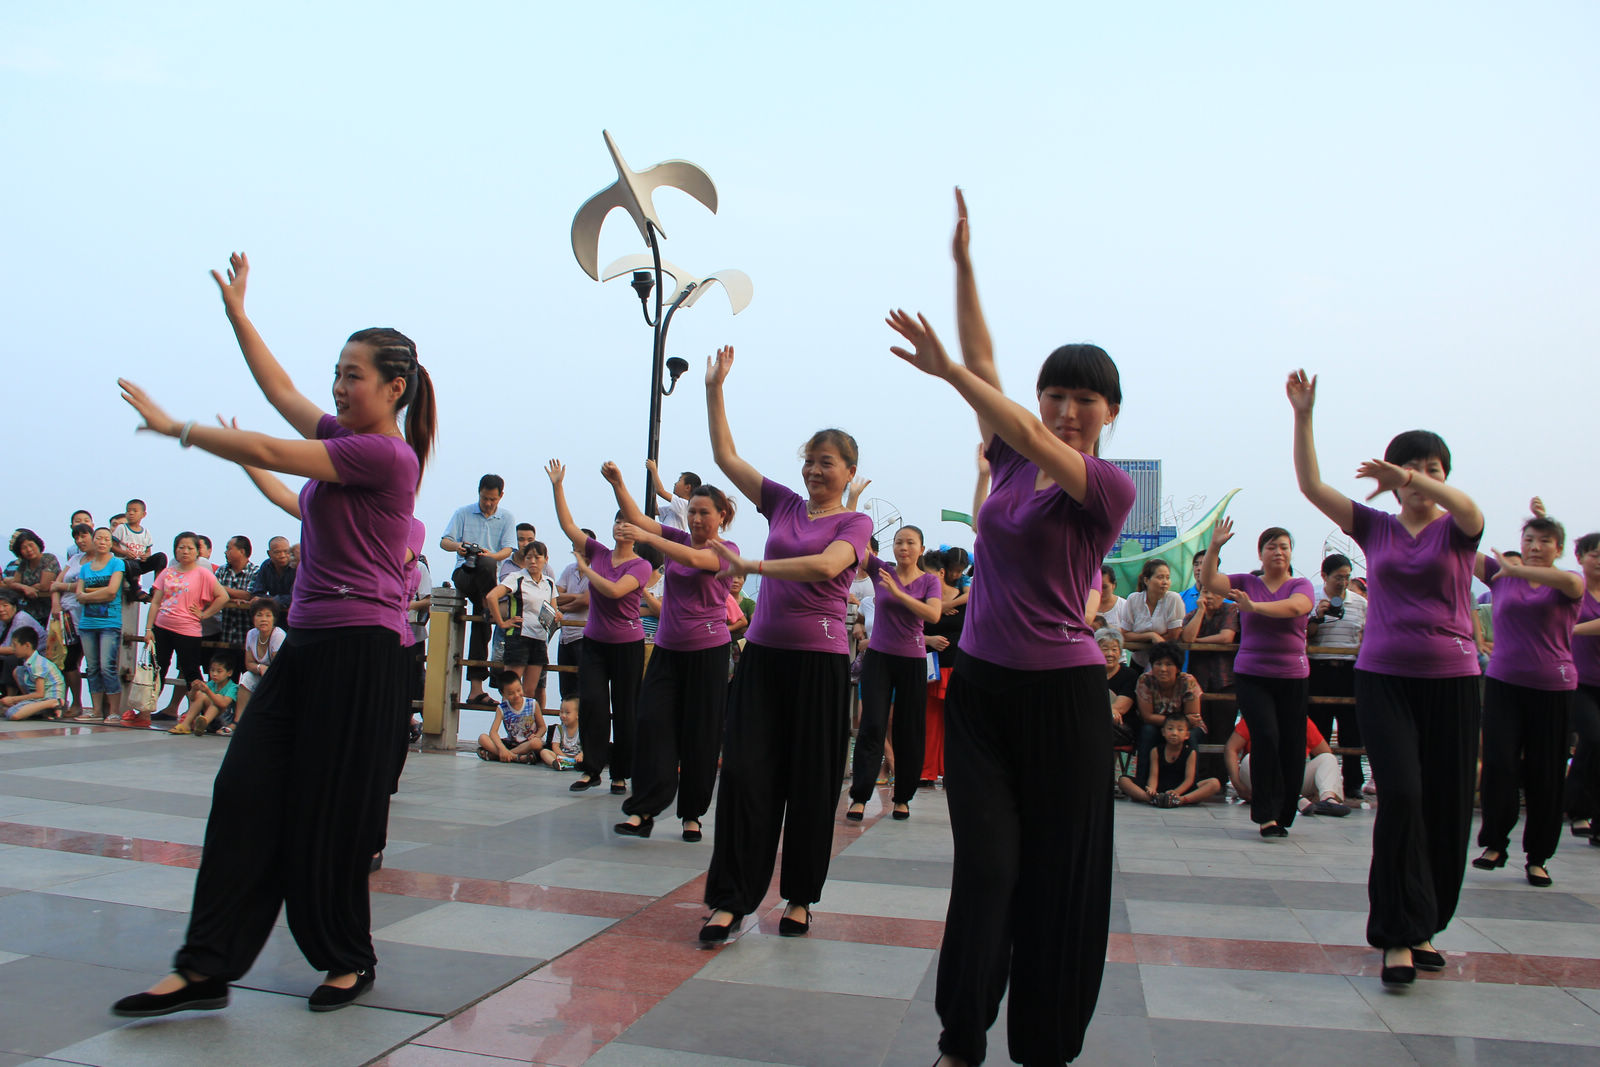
(41, 689)
(1171, 782)
(523, 723)
(211, 700)
(261, 646)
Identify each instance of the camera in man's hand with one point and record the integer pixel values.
(470, 550)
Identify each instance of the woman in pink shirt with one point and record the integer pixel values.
(184, 595)
(788, 716)
(1025, 715)
(1416, 680)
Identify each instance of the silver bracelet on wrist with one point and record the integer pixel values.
(183, 434)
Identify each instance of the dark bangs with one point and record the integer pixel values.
(1081, 366)
(1418, 445)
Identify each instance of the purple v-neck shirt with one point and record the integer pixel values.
(1532, 632)
(804, 616)
(1419, 596)
(694, 602)
(1272, 648)
(895, 631)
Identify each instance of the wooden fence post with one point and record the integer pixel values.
(441, 686)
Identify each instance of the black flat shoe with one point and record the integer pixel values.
(619, 789)
(1540, 880)
(1484, 863)
(641, 828)
(332, 998)
(1275, 830)
(206, 995)
(1427, 959)
(692, 836)
(901, 815)
(1401, 975)
(855, 816)
(1582, 831)
(583, 782)
(788, 927)
(377, 863)
(712, 934)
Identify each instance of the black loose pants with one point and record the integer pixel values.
(679, 736)
(608, 690)
(1583, 775)
(1337, 678)
(1524, 743)
(1030, 897)
(1275, 711)
(299, 802)
(900, 682)
(787, 731)
(1422, 744)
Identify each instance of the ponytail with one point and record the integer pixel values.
(422, 420)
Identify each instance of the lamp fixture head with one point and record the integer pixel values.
(643, 282)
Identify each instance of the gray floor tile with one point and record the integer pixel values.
(40, 868)
(1240, 892)
(1322, 896)
(770, 1025)
(611, 876)
(1121, 991)
(1262, 997)
(146, 885)
(277, 1030)
(889, 901)
(1461, 1009)
(492, 930)
(1350, 928)
(620, 1054)
(1215, 920)
(816, 965)
(1430, 1051)
(91, 931)
(497, 864)
(891, 872)
(1542, 906)
(1190, 1043)
(1529, 938)
(50, 1003)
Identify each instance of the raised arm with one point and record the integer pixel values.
(630, 507)
(656, 485)
(704, 559)
(1018, 426)
(831, 562)
(274, 381)
(927, 610)
(558, 473)
(308, 459)
(977, 347)
(1567, 583)
(611, 590)
(1461, 508)
(272, 487)
(744, 477)
(980, 490)
(853, 497)
(1302, 393)
(1211, 578)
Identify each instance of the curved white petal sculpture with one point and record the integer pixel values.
(632, 191)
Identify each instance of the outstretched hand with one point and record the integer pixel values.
(556, 470)
(958, 243)
(613, 473)
(887, 580)
(627, 531)
(1221, 533)
(718, 366)
(155, 419)
(927, 354)
(233, 287)
(736, 564)
(1241, 600)
(1508, 567)
(1389, 476)
(1536, 505)
(1302, 392)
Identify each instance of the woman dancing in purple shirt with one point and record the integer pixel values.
(788, 712)
(303, 792)
(1025, 717)
(1416, 680)
(1527, 696)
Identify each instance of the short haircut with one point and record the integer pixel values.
(191, 535)
(221, 659)
(8, 597)
(1108, 633)
(526, 526)
(505, 678)
(1588, 543)
(1272, 533)
(1148, 571)
(690, 478)
(1418, 444)
(204, 540)
(587, 531)
(837, 440)
(243, 542)
(134, 501)
(27, 635)
(1512, 552)
(1334, 562)
(1175, 716)
(914, 529)
(1545, 524)
(1164, 651)
(263, 603)
(492, 481)
(540, 548)
(1107, 572)
(872, 542)
(275, 539)
(83, 528)
(24, 535)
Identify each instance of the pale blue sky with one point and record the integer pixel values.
(1397, 196)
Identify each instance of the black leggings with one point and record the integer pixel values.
(608, 688)
(1275, 711)
(1524, 743)
(1583, 776)
(1030, 894)
(1422, 745)
(902, 680)
(1337, 678)
(681, 705)
(782, 751)
(190, 665)
(300, 805)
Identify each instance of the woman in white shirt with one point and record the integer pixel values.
(1153, 613)
(534, 617)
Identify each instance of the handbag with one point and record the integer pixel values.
(933, 666)
(55, 643)
(144, 692)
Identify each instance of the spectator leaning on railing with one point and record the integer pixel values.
(481, 535)
(1337, 621)
(236, 576)
(275, 578)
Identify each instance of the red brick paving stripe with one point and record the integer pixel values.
(425, 885)
(88, 843)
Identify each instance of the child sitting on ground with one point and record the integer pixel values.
(41, 688)
(523, 722)
(1171, 783)
(211, 700)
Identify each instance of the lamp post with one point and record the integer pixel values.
(632, 191)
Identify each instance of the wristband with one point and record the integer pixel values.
(1409, 474)
(183, 434)
(759, 562)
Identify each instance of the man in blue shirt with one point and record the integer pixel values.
(481, 535)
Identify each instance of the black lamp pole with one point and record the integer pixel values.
(643, 282)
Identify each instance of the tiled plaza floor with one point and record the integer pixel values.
(514, 927)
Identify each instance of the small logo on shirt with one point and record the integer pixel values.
(1461, 646)
(1562, 667)
(344, 590)
(825, 631)
(1067, 634)
(711, 627)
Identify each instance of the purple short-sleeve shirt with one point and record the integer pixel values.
(804, 616)
(1272, 648)
(1419, 596)
(614, 621)
(353, 533)
(1037, 554)
(694, 602)
(1532, 632)
(895, 631)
